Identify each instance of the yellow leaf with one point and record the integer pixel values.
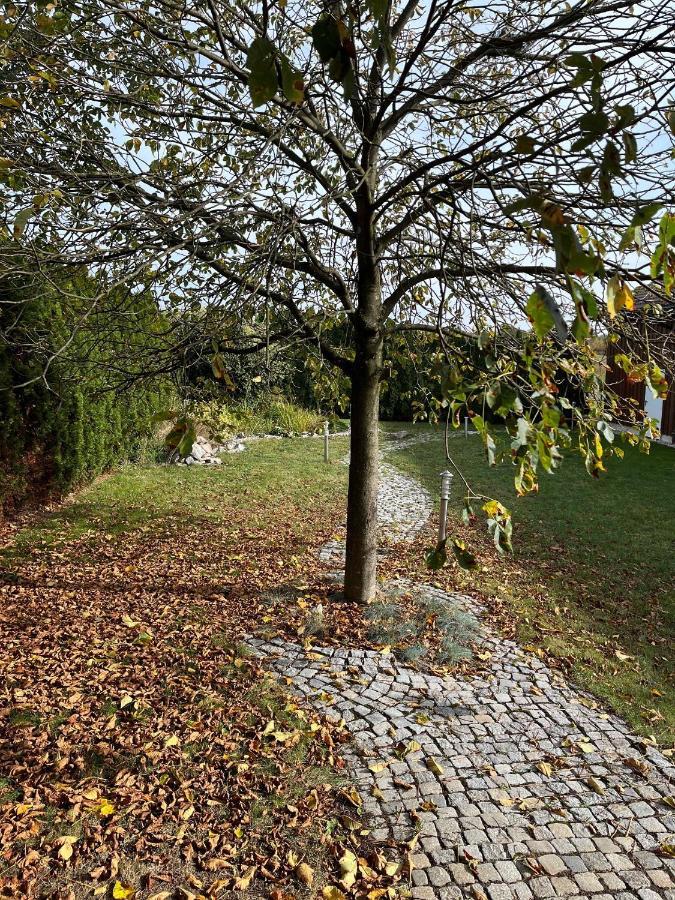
(433, 766)
(669, 801)
(126, 701)
(330, 892)
(545, 768)
(378, 767)
(120, 892)
(305, 874)
(106, 808)
(352, 795)
(349, 867)
(283, 736)
(619, 296)
(595, 785)
(242, 884)
(66, 851)
(129, 622)
(171, 741)
(622, 656)
(586, 746)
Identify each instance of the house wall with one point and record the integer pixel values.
(628, 391)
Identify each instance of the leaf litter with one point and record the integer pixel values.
(143, 752)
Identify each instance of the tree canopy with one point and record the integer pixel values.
(441, 166)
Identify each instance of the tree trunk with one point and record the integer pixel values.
(361, 560)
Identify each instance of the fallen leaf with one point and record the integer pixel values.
(305, 874)
(348, 868)
(434, 766)
(243, 883)
(330, 892)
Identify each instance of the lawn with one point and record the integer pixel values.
(592, 578)
(143, 752)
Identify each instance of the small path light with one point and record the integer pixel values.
(446, 485)
(466, 426)
(325, 441)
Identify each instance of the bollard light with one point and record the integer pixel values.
(466, 426)
(325, 441)
(446, 486)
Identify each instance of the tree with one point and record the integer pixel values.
(396, 165)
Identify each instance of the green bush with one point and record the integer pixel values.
(224, 419)
(66, 428)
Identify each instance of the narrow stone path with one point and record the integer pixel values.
(516, 784)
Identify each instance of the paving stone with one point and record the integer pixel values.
(488, 732)
(551, 864)
(589, 883)
(438, 876)
(564, 887)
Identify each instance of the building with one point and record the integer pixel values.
(650, 326)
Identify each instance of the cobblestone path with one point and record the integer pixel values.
(516, 784)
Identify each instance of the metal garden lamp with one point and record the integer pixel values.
(446, 485)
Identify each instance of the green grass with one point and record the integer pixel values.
(290, 471)
(593, 569)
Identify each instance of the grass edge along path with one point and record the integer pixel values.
(591, 583)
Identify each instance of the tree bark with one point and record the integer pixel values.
(361, 556)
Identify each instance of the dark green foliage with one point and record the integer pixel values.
(75, 422)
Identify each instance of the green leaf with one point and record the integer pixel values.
(188, 439)
(378, 9)
(629, 147)
(594, 123)
(21, 220)
(524, 144)
(626, 114)
(292, 82)
(605, 430)
(465, 559)
(167, 415)
(539, 314)
(646, 213)
(657, 382)
(326, 38)
(580, 329)
(611, 159)
(263, 82)
(437, 557)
